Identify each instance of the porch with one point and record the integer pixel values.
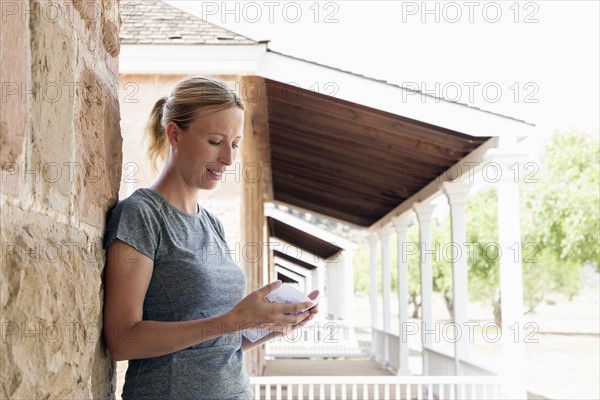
(326, 361)
(376, 172)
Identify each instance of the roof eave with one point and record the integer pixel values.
(384, 96)
(234, 59)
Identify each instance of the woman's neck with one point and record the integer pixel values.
(176, 192)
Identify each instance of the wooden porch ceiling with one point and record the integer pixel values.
(302, 240)
(352, 162)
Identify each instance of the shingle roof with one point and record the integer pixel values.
(155, 22)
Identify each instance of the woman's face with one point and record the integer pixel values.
(208, 145)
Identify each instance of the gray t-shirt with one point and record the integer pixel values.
(194, 277)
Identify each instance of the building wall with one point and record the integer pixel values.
(61, 165)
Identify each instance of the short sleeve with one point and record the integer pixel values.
(134, 223)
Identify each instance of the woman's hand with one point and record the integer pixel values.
(311, 314)
(254, 311)
(280, 330)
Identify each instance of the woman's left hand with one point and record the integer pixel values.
(311, 312)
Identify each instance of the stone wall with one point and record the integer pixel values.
(61, 166)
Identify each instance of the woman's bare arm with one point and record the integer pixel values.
(127, 276)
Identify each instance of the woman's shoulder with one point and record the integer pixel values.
(135, 221)
(141, 202)
(141, 199)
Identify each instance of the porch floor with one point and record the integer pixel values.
(307, 367)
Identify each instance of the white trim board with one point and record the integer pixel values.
(309, 228)
(190, 59)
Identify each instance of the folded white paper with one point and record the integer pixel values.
(284, 294)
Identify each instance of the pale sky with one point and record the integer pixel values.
(537, 61)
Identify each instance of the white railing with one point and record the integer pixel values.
(394, 351)
(393, 356)
(378, 345)
(376, 387)
(322, 339)
(441, 363)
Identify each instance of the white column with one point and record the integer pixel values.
(308, 282)
(335, 297)
(372, 240)
(510, 163)
(401, 224)
(457, 197)
(318, 280)
(331, 290)
(339, 282)
(424, 211)
(347, 265)
(384, 235)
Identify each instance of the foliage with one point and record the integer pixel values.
(566, 204)
(482, 234)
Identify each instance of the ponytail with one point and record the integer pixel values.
(155, 134)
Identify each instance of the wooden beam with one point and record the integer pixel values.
(255, 149)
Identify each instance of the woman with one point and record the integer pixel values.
(174, 302)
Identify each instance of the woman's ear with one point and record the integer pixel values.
(172, 131)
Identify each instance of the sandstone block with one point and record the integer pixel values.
(53, 58)
(13, 74)
(98, 149)
(52, 302)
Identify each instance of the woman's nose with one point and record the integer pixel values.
(226, 156)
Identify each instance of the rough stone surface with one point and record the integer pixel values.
(53, 58)
(13, 73)
(63, 134)
(52, 304)
(110, 38)
(88, 12)
(98, 149)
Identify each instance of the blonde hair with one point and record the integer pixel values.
(182, 106)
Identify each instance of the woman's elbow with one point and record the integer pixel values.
(117, 351)
(117, 356)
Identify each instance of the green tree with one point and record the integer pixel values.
(414, 269)
(483, 257)
(442, 262)
(565, 204)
